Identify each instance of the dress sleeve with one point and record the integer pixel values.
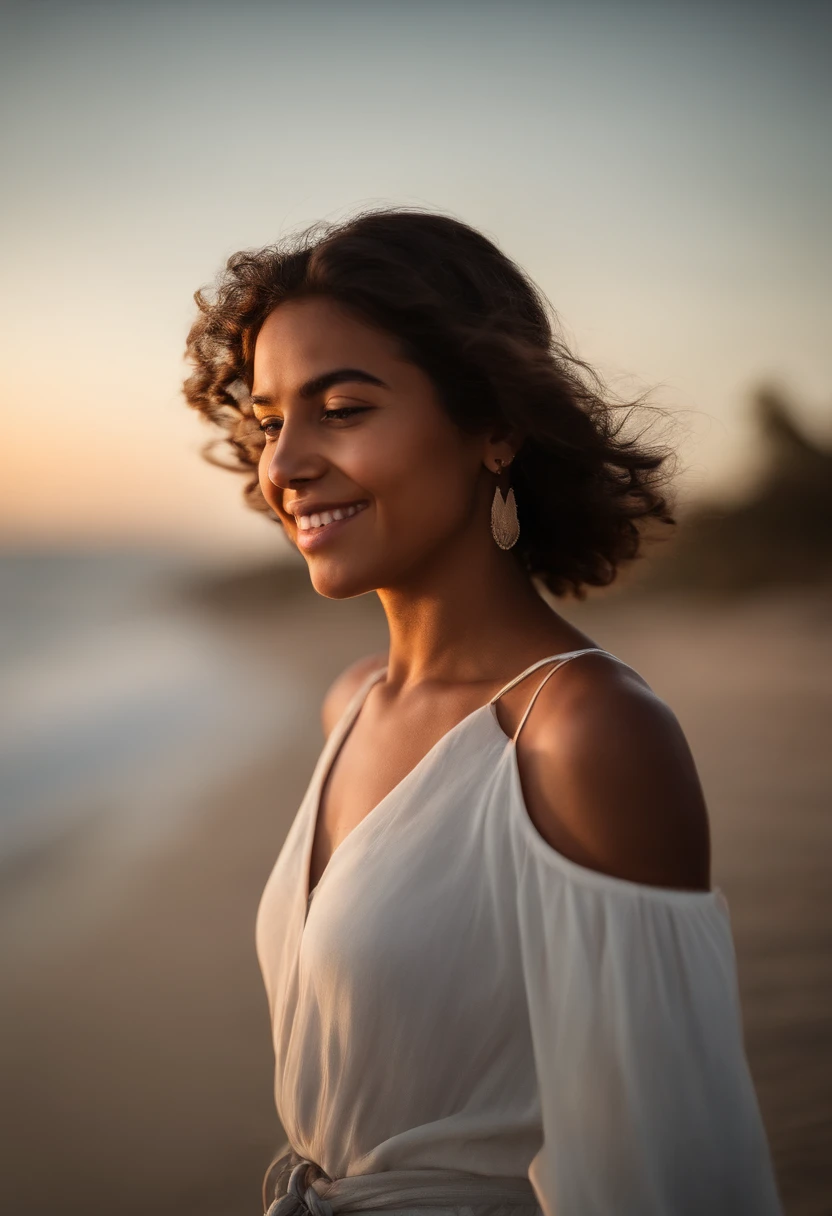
(647, 1102)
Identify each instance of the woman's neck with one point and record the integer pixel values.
(470, 621)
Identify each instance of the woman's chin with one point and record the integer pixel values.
(334, 584)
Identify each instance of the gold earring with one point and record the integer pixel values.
(505, 526)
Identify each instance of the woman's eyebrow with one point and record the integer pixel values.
(320, 384)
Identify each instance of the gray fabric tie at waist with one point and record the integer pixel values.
(296, 1186)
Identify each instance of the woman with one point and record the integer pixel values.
(498, 976)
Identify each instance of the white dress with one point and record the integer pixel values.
(458, 996)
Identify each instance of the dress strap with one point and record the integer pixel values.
(559, 660)
(349, 713)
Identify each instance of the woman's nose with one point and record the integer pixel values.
(294, 457)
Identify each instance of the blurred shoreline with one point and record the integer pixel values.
(116, 694)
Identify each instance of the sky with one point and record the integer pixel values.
(661, 170)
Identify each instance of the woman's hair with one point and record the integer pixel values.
(485, 334)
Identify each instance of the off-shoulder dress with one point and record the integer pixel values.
(464, 1019)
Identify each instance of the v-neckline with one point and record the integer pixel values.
(339, 740)
(339, 737)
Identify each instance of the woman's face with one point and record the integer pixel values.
(351, 426)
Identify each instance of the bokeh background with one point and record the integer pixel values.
(663, 172)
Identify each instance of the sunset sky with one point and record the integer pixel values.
(661, 170)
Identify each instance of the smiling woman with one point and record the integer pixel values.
(496, 969)
(451, 305)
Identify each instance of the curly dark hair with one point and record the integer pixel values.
(486, 335)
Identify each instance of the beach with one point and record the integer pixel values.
(136, 1054)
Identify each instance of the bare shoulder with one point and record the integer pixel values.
(344, 687)
(609, 780)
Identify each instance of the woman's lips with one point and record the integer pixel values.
(313, 538)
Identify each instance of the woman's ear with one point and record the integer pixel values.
(502, 445)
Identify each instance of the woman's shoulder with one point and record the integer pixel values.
(344, 687)
(608, 778)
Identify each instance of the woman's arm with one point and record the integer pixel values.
(647, 1103)
(609, 779)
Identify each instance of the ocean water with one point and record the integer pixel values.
(117, 700)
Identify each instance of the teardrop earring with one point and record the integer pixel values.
(505, 526)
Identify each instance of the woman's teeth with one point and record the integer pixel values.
(305, 522)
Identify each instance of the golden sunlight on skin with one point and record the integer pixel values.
(425, 483)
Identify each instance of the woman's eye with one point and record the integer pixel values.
(271, 427)
(345, 411)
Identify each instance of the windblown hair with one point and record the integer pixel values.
(486, 335)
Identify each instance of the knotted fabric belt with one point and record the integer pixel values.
(296, 1186)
